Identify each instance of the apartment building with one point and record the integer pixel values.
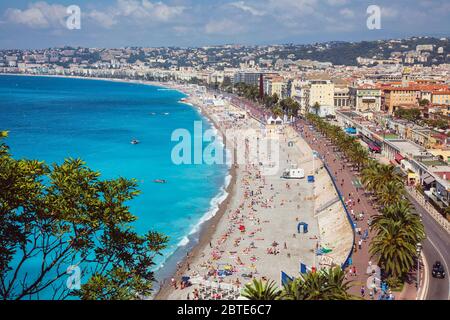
(395, 97)
(300, 93)
(321, 92)
(440, 97)
(275, 85)
(342, 96)
(368, 98)
(406, 94)
(250, 78)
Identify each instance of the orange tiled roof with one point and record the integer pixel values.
(443, 92)
(418, 87)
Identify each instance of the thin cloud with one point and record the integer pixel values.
(244, 7)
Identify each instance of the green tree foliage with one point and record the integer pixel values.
(273, 103)
(261, 290)
(316, 108)
(424, 102)
(442, 124)
(63, 215)
(327, 284)
(398, 230)
(412, 115)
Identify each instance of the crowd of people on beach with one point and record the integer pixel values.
(246, 225)
(221, 267)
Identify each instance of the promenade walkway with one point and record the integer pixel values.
(357, 202)
(361, 208)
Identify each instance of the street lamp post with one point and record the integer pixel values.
(418, 250)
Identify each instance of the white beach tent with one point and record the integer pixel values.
(270, 120)
(278, 120)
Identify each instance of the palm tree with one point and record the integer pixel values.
(316, 108)
(390, 193)
(327, 284)
(375, 176)
(277, 111)
(401, 212)
(261, 290)
(358, 155)
(369, 175)
(394, 248)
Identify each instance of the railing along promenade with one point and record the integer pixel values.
(251, 109)
(420, 198)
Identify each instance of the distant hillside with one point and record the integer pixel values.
(346, 53)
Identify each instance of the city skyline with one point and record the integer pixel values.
(188, 23)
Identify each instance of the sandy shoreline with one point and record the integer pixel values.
(268, 208)
(208, 228)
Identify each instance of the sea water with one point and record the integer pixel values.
(51, 119)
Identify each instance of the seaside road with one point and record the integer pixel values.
(436, 248)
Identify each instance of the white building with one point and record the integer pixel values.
(322, 92)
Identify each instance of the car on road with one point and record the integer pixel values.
(438, 270)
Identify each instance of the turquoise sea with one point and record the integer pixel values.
(54, 118)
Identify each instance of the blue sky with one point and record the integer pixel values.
(152, 23)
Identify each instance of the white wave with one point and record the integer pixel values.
(216, 201)
(183, 242)
(166, 89)
(186, 103)
(213, 209)
(214, 206)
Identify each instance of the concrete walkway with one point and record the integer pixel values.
(349, 186)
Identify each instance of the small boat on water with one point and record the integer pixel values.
(134, 141)
(160, 181)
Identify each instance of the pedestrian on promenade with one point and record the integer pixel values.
(360, 244)
(363, 291)
(354, 271)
